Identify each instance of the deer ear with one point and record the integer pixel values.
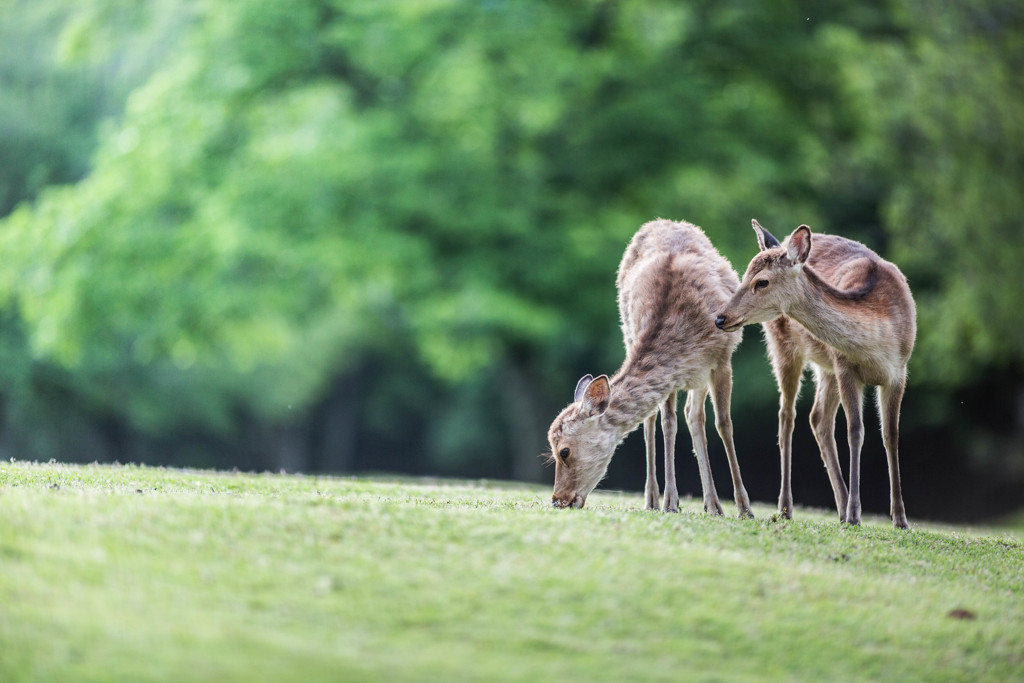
(765, 239)
(596, 397)
(581, 386)
(798, 246)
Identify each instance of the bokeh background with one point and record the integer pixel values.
(381, 236)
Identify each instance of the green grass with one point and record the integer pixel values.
(133, 573)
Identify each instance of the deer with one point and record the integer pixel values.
(836, 305)
(670, 283)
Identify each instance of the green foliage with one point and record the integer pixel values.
(331, 170)
(144, 574)
(947, 142)
(65, 68)
(40, 97)
(267, 198)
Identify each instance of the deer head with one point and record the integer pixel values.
(771, 281)
(582, 443)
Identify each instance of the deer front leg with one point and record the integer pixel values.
(823, 424)
(695, 423)
(651, 493)
(788, 377)
(850, 390)
(721, 396)
(669, 427)
(889, 399)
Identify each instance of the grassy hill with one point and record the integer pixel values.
(134, 573)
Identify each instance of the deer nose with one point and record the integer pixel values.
(566, 500)
(720, 322)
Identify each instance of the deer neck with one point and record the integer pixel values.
(822, 309)
(637, 391)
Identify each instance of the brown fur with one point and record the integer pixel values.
(835, 304)
(671, 281)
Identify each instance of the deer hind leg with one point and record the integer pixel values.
(788, 377)
(721, 397)
(850, 392)
(669, 428)
(823, 424)
(651, 493)
(890, 398)
(695, 423)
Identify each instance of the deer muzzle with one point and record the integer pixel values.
(723, 323)
(569, 500)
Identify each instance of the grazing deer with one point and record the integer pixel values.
(671, 282)
(841, 307)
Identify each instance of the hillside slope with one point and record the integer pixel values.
(134, 573)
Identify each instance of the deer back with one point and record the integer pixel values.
(671, 281)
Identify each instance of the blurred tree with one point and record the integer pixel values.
(300, 182)
(48, 114)
(946, 144)
(372, 235)
(938, 106)
(60, 84)
(66, 67)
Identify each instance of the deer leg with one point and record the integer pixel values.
(721, 396)
(651, 493)
(850, 390)
(889, 399)
(669, 427)
(788, 377)
(695, 423)
(823, 424)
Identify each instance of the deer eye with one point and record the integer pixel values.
(760, 284)
(565, 454)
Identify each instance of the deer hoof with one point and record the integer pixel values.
(714, 508)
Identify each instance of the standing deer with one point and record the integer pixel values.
(848, 312)
(671, 281)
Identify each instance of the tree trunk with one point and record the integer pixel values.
(338, 418)
(527, 431)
